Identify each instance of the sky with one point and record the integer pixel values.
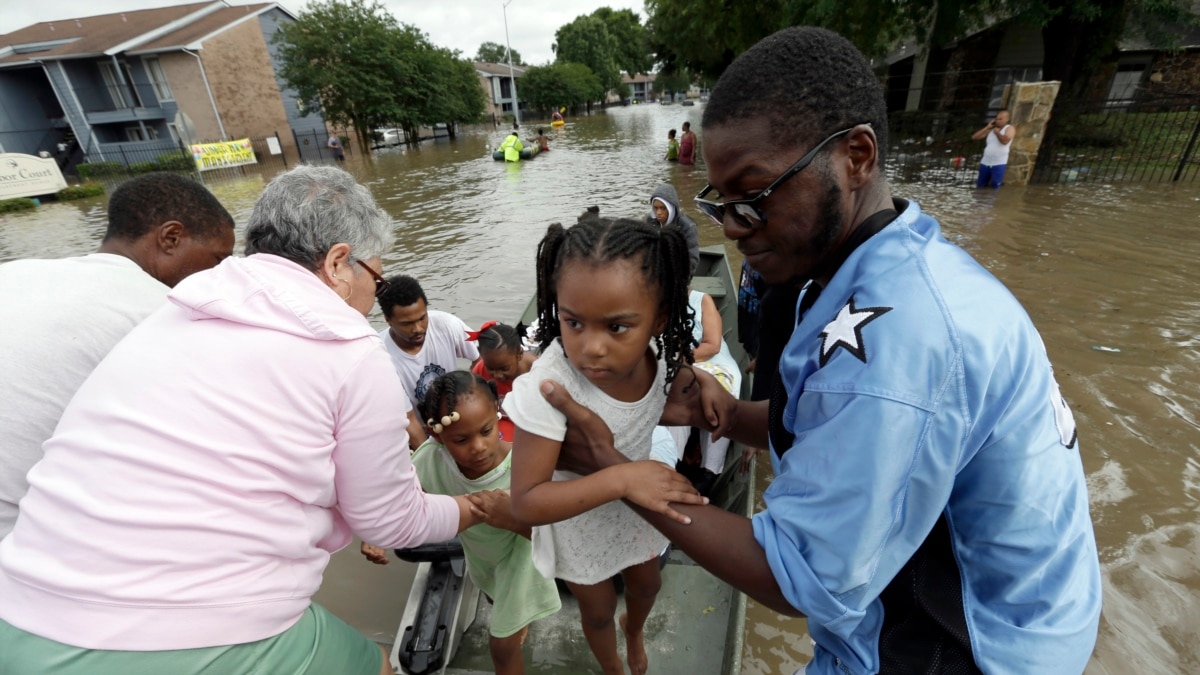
(457, 24)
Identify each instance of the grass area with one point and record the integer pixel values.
(80, 191)
(18, 204)
(1128, 143)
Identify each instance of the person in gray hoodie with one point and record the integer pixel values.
(664, 210)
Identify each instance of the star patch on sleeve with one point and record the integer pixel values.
(845, 331)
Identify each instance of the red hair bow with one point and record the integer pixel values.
(473, 335)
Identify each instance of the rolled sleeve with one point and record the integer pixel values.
(854, 498)
(379, 494)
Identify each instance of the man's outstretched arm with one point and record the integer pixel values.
(721, 542)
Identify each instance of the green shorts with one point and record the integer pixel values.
(319, 644)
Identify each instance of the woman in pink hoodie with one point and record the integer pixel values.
(197, 484)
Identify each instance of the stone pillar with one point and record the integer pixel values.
(1029, 103)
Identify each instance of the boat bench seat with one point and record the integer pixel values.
(709, 285)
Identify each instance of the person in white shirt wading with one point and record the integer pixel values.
(999, 134)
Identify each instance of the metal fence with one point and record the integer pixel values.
(1135, 140)
(935, 147)
(114, 163)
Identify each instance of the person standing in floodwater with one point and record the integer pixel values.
(999, 134)
(687, 145)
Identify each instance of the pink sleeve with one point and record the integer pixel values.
(378, 492)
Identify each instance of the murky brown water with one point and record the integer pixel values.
(1113, 267)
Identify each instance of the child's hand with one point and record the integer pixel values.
(653, 485)
(497, 510)
(374, 553)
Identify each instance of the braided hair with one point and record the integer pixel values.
(442, 396)
(500, 336)
(663, 256)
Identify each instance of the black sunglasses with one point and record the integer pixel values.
(381, 284)
(746, 212)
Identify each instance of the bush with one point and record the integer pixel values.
(143, 167)
(18, 204)
(175, 161)
(80, 191)
(97, 169)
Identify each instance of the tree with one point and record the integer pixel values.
(465, 99)
(492, 52)
(560, 84)
(341, 55)
(631, 42)
(586, 40)
(669, 82)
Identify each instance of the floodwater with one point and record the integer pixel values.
(1108, 273)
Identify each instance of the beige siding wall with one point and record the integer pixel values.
(187, 85)
(243, 83)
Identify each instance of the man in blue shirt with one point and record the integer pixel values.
(929, 511)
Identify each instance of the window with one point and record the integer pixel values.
(119, 92)
(1005, 77)
(506, 88)
(159, 79)
(135, 134)
(1125, 83)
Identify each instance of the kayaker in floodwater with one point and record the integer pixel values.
(512, 147)
(556, 116)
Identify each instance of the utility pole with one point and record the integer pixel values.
(511, 78)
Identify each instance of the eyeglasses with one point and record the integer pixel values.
(746, 212)
(381, 284)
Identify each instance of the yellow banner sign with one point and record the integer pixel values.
(223, 155)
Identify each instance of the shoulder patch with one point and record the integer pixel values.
(845, 331)
(1068, 433)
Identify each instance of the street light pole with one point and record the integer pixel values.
(511, 78)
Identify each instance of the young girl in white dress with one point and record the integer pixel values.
(615, 327)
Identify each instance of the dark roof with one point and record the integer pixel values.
(92, 35)
(201, 28)
(138, 32)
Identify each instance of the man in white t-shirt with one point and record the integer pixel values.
(423, 343)
(61, 317)
(999, 134)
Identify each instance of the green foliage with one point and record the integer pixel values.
(92, 170)
(586, 40)
(18, 204)
(492, 52)
(631, 42)
(80, 192)
(368, 71)
(142, 167)
(705, 36)
(175, 161)
(672, 81)
(560, 84)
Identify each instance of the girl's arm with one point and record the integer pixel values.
(710, 320)
(539, 500)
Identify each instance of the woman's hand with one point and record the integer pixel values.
(496, 506)
(373, 553)
(718, 405)
(653, 485)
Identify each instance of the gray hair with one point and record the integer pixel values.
(302, 213)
